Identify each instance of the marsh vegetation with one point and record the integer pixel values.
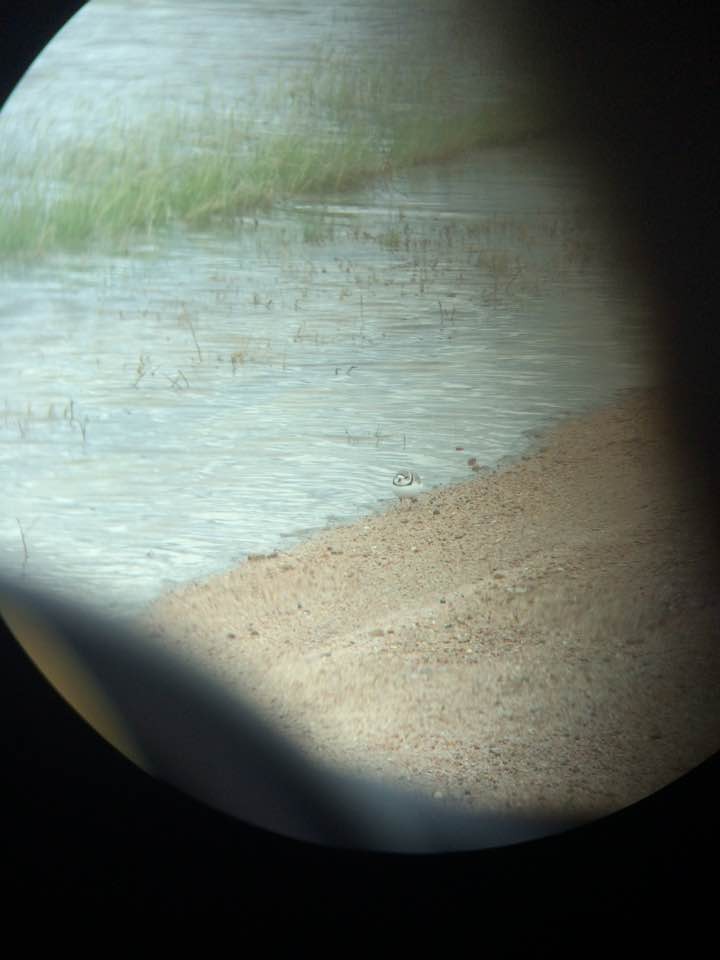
(333, 127)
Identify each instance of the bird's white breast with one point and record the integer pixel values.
(407, 483)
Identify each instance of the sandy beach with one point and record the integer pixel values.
(535, 636)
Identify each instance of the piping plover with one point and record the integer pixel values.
(407, 483)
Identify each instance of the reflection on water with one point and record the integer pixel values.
(209, 395)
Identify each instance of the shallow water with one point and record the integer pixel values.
(209, 395)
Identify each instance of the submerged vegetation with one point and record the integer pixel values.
(24, 421)
(335, 127)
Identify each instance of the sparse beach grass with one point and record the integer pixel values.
(23, 421)
(336, 127)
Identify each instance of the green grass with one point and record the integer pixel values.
(342, 125)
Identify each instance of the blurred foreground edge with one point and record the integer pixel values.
(178, 725)
(82, 820)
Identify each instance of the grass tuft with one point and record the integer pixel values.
(338, 127)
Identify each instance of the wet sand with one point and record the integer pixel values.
(535, 636)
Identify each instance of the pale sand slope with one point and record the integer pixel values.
(533, 636)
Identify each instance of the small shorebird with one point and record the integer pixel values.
(407, 483)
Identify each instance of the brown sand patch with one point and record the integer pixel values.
(536, 636)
